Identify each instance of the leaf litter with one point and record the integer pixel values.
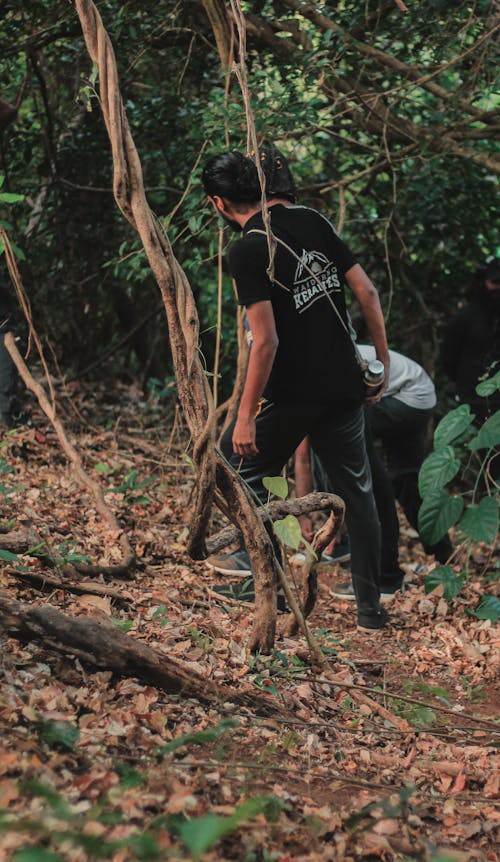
(97, 766)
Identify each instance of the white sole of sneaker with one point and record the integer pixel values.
(235, 573)
(345, 598)
(326, 558)
(388, 597)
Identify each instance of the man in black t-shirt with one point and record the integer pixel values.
(303, 376)
(9, 407)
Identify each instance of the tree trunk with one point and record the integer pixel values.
(183, 325)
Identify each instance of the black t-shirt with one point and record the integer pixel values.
(315, 361)
(7, 307)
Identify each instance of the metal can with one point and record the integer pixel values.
(374, 373)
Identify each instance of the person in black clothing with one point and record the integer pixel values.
(10, 410)
(9, 407)
(471, 344)
(314, 390)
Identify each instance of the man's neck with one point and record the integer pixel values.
(270, 202)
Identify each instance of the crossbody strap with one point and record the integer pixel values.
(318, 282)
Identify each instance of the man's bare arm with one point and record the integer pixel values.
(264, 346)
(368, 298)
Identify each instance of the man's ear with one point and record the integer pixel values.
(219, 203)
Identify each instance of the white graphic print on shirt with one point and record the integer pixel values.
(306, 289)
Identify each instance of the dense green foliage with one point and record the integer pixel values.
(388, 120)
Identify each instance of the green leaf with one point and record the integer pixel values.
(424, 716)
(489, 609)
(18, 251)
(438, 512)
(188, 460)
(10, 198)
(453, 425)
(58, 734)
(444, 575)
(490, 386)
(480, 523)
(57, 803)
(36, 854)
(489, 434)
(200, 834)
(276, 485)
(77, 558)
(288, 531)
(439, 468)
(9, 556)
(145, 846)
(101, 467)
(129, 777)
(201, 737)
(123, 625)
(194, 223)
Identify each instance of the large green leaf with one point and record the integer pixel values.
(444, 575)
(490, 386)
(58, 734)
(288, 531)
(203, 832)
(199, 737)
(9, 556)
(10, 198)
(438, 512)
(36, 854)
(480, 523)
(489, 434)
(276, 485)
(439, 468)
(453, 425)
(489, 609)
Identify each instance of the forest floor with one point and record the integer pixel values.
(94, 765)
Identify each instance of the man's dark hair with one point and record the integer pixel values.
(232, 176)
(279, 180)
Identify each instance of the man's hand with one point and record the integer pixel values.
(244, 437)
(378, 395)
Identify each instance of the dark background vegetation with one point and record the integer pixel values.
(388, 120)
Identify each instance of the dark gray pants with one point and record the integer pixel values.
(337, 435)
(403, 433)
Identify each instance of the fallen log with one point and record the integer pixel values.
(105, 647)
(19, 541)
(317, 501)
(44, 581)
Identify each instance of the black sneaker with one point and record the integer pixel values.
(245, 592)
(374, 620)
(235, 563)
